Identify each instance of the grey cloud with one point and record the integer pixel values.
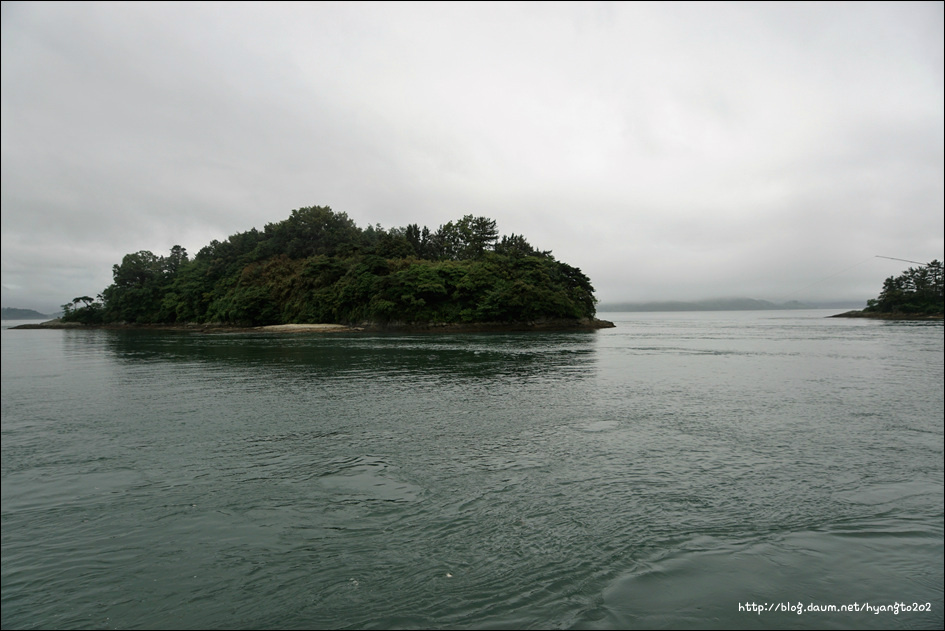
(667, 150)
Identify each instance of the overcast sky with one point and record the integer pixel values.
(670, 151)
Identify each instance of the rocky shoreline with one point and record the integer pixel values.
(586, 324)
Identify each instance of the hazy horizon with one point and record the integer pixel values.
(614, 306)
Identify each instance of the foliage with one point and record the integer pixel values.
(92, 311)
(318, 266)
(918, 290)
(141, 285)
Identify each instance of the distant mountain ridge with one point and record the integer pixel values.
(715, 304)
(13, 313)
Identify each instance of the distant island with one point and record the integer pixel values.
(12, 313)
(916, 294)
(317, 266)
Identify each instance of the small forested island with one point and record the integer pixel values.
(916, 294)
(317, 266)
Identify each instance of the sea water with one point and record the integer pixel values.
(774, 469)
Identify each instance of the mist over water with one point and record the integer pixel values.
(665, 473)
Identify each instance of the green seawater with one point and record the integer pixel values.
(682, 470)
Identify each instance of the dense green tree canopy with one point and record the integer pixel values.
(318, 266)
(918, 290)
